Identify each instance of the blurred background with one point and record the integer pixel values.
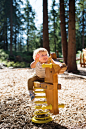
(21, 29)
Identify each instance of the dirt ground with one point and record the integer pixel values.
(16, 109)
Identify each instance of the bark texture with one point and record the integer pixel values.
(71, 38)
(63, 31)
(45, 26)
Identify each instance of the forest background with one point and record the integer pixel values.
(16, 50)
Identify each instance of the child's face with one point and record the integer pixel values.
(43, 57)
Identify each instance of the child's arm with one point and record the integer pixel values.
(33, 64)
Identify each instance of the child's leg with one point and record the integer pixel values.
(31, 84)
(31, 81)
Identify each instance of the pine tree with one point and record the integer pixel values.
(30, 24)
(45, 26)
(63, 31)
(71, 38)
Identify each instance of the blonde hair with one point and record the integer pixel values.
(39, 50)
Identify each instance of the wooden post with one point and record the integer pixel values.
(52, 95)
(55, 95)
(83, 58)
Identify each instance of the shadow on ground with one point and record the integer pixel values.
(50, 125)
(82, 72)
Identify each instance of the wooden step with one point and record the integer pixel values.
(40, 102)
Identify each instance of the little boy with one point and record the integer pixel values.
(40, 56)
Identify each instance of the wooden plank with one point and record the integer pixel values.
(45, 85)
(49, 75)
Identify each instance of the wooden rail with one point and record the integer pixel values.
(83, 58)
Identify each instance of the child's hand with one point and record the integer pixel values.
(37, 57)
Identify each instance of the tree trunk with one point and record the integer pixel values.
(4, 35)
(11, 28)
(6, 38)
(15, 28)
(15, 38)
(83, 31)
(28, 32)
(45, 26)
(27, 43)
(54, 34)
(63, 31)
(72, 67)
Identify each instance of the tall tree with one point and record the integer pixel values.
(54, 26)
(63, 31)
(71, 38)
(83, 30)
(3, 23)
(45, 26)
(53, 11)
(11, 22)
(30, 25)
(18, 23)
(82, 5)
(80, 24)
(10, 18)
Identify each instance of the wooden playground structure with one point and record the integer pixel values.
(83, 58)
(50, 88)
(55, 56)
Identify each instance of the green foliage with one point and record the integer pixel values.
(54, 28)
(78, 56)
(5, 22)
(29, 18)
(12, 62)
(3, 55)
(23, 23)
(78, 53)
(9, 64)
(80, 24)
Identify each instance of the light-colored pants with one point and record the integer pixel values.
(31, 81)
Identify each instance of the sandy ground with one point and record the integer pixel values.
(16, 109)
